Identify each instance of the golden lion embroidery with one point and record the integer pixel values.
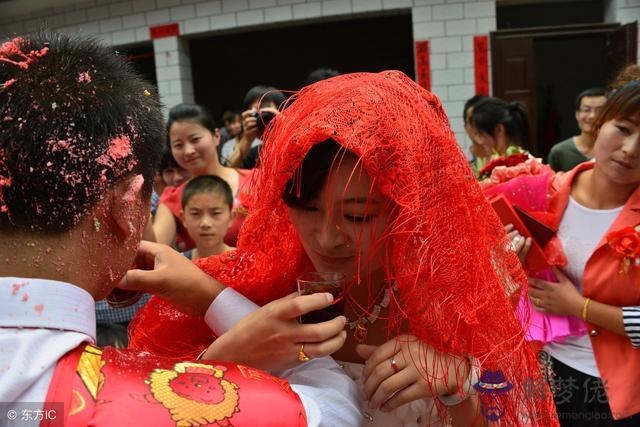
(90, 370)
(195, 394)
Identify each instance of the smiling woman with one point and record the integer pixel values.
(192, 137)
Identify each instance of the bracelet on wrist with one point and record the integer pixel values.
(585, 309)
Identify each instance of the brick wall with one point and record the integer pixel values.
(450, 27)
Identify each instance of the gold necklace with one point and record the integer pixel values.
(359, 326)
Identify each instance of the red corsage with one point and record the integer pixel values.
(625, 244)
(509, 161)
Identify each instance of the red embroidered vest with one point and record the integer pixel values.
(110, 387)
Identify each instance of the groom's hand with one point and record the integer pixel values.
(166, 273)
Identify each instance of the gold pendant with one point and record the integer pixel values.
(360, 333)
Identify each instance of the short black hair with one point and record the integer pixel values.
(594, 91)
(308, 180)
(191, 113)
(75, 119)
(207, 184)
(320, 74)
(229, 116)
(264, 93)
(167, 160)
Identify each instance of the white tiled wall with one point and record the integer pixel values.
(449, 25)
(624, 11)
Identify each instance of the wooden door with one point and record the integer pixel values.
(513, 74)
(622, 48)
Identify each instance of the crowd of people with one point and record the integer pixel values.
(150, 269)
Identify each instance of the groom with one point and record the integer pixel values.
(80, 138)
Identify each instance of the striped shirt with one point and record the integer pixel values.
(631, 320)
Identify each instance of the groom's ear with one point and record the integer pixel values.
(125, 207)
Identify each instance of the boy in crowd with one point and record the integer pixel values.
(207, 203)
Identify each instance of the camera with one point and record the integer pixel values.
(263, 117)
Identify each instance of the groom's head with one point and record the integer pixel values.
(80, 138)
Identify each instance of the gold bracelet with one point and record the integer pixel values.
(202, 353)
(585, 309)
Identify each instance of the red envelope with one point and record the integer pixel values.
(536, 261)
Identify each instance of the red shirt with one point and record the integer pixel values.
(172, 198)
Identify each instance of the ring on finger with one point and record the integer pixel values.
(302, 356)
(394, 365)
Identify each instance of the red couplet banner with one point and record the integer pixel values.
(167, 30)
(423, 65)
(481, 64)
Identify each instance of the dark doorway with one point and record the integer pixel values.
(224, 67)
(142, 60)
(564, 68)
(545, 68)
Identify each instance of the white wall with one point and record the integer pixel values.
(624, 12)
(449, 25)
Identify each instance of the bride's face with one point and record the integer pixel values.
(342, 229)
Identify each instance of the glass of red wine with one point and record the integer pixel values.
(315, 282)
(120, 298)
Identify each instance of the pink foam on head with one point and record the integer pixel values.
(5, 181)
(12, 48)
(8, 83)
(84, 77)
(119, 147)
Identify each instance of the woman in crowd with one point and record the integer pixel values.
(499, 128)
(193, 138)
(362, 176)
(479, 153)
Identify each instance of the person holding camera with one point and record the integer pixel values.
(261, 105)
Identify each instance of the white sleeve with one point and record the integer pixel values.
(329, 396)
(227, 309)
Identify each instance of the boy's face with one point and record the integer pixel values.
(207, 218)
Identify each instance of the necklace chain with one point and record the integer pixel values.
(359, 325)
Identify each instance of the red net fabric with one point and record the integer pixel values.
(458, 282)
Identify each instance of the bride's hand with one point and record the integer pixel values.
(271, 338)
(396, 372)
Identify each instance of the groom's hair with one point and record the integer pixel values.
(74, 120)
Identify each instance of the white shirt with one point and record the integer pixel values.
(580, 231)
(41, 320)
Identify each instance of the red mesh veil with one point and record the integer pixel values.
(457, 280)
